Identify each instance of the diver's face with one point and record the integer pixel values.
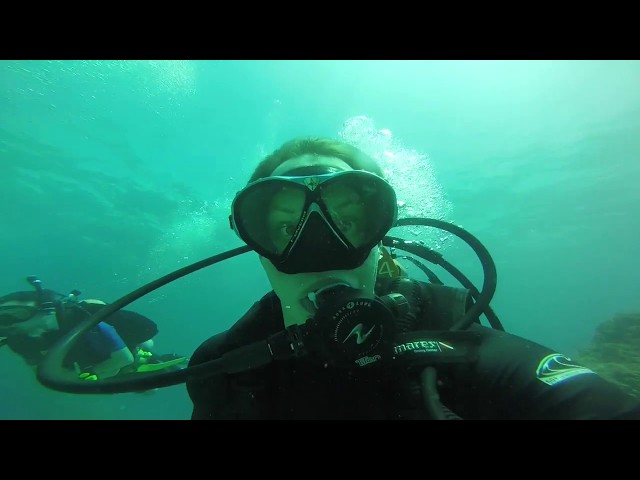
(286, 208)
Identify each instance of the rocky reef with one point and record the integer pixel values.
(614, 351)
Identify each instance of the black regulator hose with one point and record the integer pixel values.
(52, 374)
(428, 376)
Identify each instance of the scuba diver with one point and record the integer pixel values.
(345, 332)
(316, 211)
(32, 321)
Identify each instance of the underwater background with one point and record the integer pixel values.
(115, 173)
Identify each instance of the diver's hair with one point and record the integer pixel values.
(352, 156)
(27, 296)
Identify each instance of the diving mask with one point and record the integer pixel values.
(16, 312)
(309, 221)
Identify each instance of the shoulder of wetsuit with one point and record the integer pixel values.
(210, 396)
(243, 395)
(434, 306)
(443, 306)
(260, 321)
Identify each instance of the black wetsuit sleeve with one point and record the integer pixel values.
(214, 397)
(515, 378)
(208, 394)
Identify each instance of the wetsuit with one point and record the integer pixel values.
(511, 378)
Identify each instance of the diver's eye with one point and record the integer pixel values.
(286, 230)
(345, 226)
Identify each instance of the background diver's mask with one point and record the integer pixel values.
(14, 311)
(315, 219)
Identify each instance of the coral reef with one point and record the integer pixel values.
(614, 351)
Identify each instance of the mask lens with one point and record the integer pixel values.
(268, 214)
(361, 208)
